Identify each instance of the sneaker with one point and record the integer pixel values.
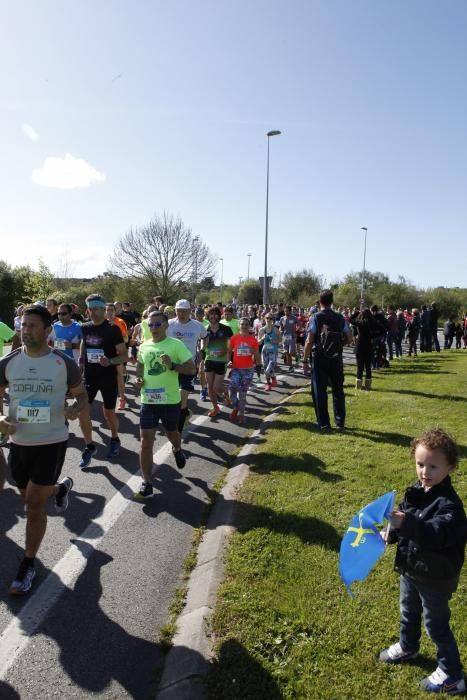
(273, 381)
(86, 456)
(241, 420)
(440, 682)
(290, 369)
(233, 415)
(144, 492)
(114, 448)
(203, 394)
(267, 387)
(180, 459)
(396, 655)
(227, 400)
(122, 405)
(24, 578)
(187, 419)
(215, 410)
(61, 502)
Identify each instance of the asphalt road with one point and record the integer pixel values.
(108, 569)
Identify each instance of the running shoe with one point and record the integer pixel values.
(396, 655)
(86, 456)
(273, 381)
(180, 458)
(440, 682)
(241, 420)
(187, 419)
(114, 448)
(233, 415)
(144, 492)
(267, 387)
(122, 404)
(227, 400)
(203, 394)
(24, 578)
(61, 499)
(215, 410)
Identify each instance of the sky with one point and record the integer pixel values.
(112, 112)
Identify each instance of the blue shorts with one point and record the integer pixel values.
(168, 414)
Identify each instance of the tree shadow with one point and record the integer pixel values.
(411, 392)
(267, 463)
(235, 674)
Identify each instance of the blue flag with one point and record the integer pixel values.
(362, 544)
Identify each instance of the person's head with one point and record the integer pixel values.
(118, 306)
(199, 313)
(110, 312)
(288, 310)
(244, 326)
(36, 323)
(326, 297)
(96, 308)
(64, 314)
(433, 304)
(365, 315)
(126, 306)
(414, 312)
(374, 309)
(269, 319)
(228, 313)
(436, 455)
(214, 314)
(157, 301)
(183, 310)
(423, 307)
(52, 306)
(168, 310)
(158, 322)
(391, 309)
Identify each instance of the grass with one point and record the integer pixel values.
(284, 625)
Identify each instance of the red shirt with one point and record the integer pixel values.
(243, 348)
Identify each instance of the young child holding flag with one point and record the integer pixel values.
(430, 528)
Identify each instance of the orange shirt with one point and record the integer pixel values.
(243, 348)
(120, 323)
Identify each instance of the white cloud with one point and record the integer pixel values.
(30, 132)
(67, 173)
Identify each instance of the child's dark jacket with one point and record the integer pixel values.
(431, 541)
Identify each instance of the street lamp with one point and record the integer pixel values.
(222, 275)
(265, 280)
(248, 274)
(362, 283)
(195, 266)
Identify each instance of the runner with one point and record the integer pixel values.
(66, 334)
(52, 308)
(102, 348)
(270, 336)
(114, 320)
(216, 345)
(6, 334)
(245, 354)
(230, 321)
(288, 325)
(38, 379)
(200, 357)
(160, 361)
(190, 332)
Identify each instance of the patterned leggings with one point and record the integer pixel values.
(269, 358)
(240, 380)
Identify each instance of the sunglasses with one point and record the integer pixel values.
(158, 324)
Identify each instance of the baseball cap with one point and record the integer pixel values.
(183, 304)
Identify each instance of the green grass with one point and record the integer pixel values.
(284, 625)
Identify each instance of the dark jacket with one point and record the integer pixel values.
(367, 329)
(431, 541)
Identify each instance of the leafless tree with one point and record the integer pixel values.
(164, 253)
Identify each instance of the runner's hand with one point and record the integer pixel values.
(139, 381)
(71, 412)
(166, 360)
(104, 361)
(7, 425)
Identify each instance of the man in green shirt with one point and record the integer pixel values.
(160, 361)
(230, 321)
(6, 334)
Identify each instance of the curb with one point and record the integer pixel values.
(187, 662)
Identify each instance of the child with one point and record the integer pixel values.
(430, 530)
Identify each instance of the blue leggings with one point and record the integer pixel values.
(240, 380)
(269, 359)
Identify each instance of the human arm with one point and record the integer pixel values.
(119, 359)
(79, 393)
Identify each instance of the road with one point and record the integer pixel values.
(108, 569)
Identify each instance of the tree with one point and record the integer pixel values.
(40, 284)
(163, 254)
(250, 292)
(301, 287)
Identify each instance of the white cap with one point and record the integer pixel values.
(183, 304)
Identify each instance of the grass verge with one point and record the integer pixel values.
(285, 627)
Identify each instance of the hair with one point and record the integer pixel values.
(94, 297)
(52, 301)
(110, 304)
(68, 307)
(159, 313)
(374, 308)
(214, 310)
(364, 315)
(326, 297)
(244, 319)
(438, 439)
(229, 309)
(39, 310)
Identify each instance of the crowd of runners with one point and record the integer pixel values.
(61, 359)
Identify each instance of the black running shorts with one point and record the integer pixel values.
(108, 388)
(151, 414)
(187, 381)
(41, 464)
(216, 367)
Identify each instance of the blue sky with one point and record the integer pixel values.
(166, 105)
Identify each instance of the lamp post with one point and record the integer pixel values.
(265, 280)
(195, 266)
(362, 283)
(248, 273)
(222, 275)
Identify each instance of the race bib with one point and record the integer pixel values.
(59, 344)
(34, 411)
(217, 352)
(269, 347)
(94, 355)
(287, 337)
(243, 351)
(155, 395)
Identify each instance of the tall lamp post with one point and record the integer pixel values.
(195, 266)
(265, 280)
(222, 275)
(248, 273)
(362, 283)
